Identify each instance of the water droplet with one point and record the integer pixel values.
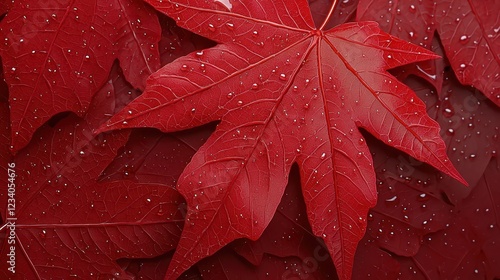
(230, 95)
(412, 9)
(255, 33)
(323, 156)
(230, 25)
(392, 199)
(184, 68)
(448, 112)
(283, 77)
(464, 39)
(423, 197)
(211, 27)
(255, 86)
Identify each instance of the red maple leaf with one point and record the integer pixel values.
(67, 224)
(284, 92)
(468, 30)
(57, 55)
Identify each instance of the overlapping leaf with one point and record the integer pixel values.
(58, 53)
(284, 92)
(469, 31)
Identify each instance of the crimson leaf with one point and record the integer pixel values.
(284, 92)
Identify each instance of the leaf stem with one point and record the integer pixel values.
(330, 13)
